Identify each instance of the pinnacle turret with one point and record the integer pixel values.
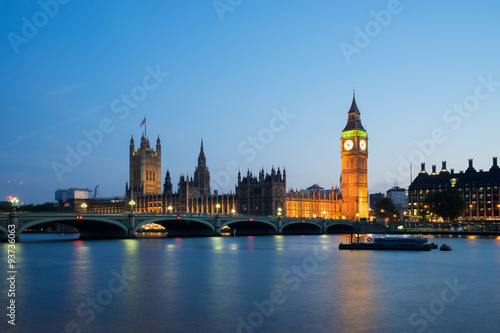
(354, 117)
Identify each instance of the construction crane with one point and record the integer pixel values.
(9, 194)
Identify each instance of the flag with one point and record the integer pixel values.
(143, 122)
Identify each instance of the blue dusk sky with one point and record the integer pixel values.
(264, 83)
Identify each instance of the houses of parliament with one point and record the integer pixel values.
(263, 193)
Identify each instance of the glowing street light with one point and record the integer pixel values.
(217, 206)
(170, 209)
(14, 201)
(357, 217)
(279, 211)
(233, 211)
(132, 204)
(83, 206)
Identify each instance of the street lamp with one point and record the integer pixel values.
(279, 211)
(217, 206)
(14, 201)
(357, 217)
(132, 204)
(83, 206)
(233, 211)
(170, 209)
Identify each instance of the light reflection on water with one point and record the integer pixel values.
(215, 284)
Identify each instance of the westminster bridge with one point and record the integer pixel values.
(124, 225)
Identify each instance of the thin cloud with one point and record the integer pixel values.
(86, 113)
(65, 89)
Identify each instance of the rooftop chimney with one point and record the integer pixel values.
(470, 168)
(495, 166)
(422, 168)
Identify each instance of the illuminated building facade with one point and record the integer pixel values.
(479, 189)
(315, 202)
(354, 153)
(193, 194)
(351, 202)
(263, 194)
(145, 168)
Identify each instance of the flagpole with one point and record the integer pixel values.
(145, 127)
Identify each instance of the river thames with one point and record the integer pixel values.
(250, 284)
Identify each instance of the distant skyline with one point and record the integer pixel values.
(263, 83)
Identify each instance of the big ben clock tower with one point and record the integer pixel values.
(354, 154)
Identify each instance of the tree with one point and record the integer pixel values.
(447, 204)
(385, 208)
(45, 207)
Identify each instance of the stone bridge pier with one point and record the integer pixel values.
(13, 221)
(217, 225)
(131, 226)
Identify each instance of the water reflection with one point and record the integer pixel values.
(211, 284)
(355, 286)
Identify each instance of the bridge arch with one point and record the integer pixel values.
(246, 227)
(302, 228)
(183, 226)
(340, 228)
(88, 226)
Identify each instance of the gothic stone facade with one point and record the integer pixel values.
(263, 194)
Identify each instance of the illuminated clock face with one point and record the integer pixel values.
(348, 144)
(362, 145)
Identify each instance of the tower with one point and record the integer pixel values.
(354, 154)
(145, 168)
(201, 173)
(167, 185)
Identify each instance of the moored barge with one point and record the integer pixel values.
(386, 243)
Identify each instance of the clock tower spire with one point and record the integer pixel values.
(354, 154)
